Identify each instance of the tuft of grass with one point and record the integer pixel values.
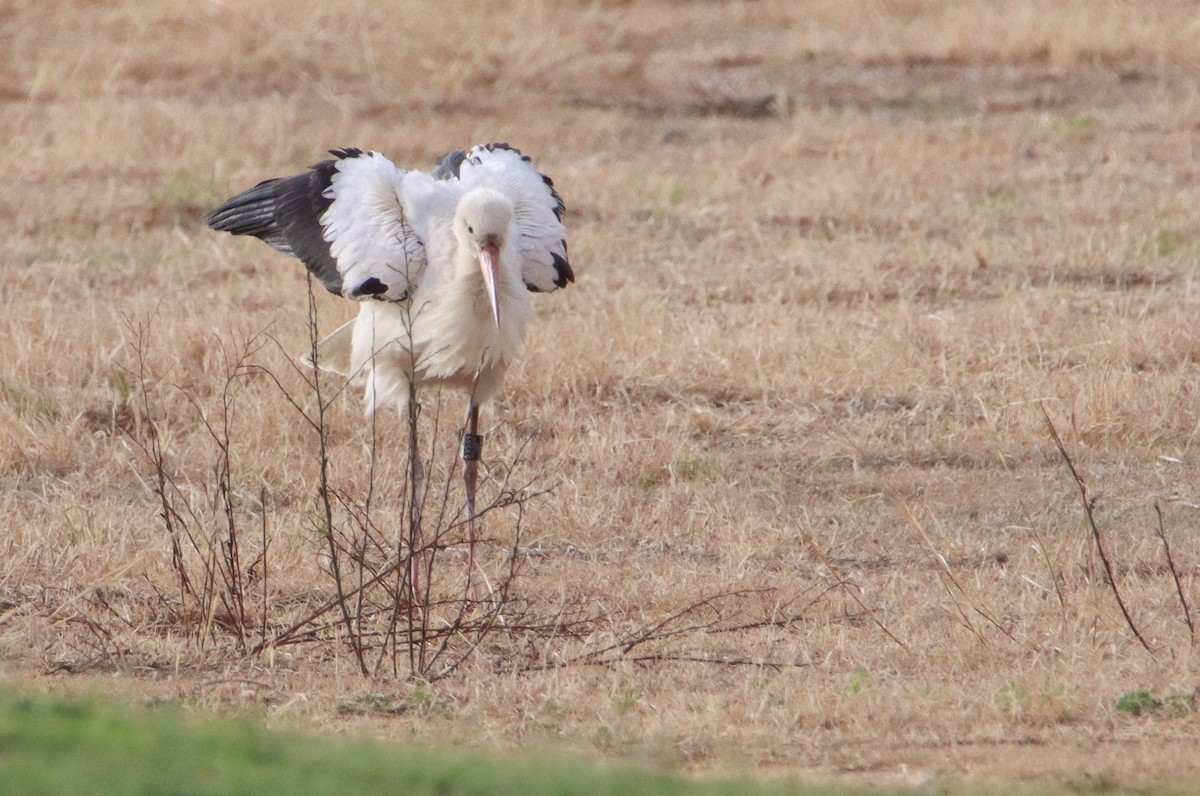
(605, 739)
(121, 385)
(1012, 698)
(29, 403)
(690, 468)
(1167, 242)
(367, 704)
(857, 681)
(1144, 702)
(998, 203)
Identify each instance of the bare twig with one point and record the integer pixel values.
(375, 586)
(323, 492)
(697, 658)
(262, 500)
(1091, 518)
(1055, 573)
(949, 574)
(1162, 536)
(851, 591)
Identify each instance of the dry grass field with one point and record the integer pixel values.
(833, 263)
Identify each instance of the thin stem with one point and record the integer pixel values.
(323, 486)
(1091, 518)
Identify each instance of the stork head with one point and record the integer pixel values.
(481, 225)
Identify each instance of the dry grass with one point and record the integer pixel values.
(830, 265)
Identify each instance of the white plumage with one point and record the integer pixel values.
(410, 242)
(365, 226)
(455, 336)
(444, 264)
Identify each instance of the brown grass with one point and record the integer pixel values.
(831, 266)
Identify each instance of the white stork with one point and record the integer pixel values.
(444, 264)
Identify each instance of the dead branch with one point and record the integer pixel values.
(323, 492)
(846, 586)
(1091, 518)
(949, 574)
(1162, 537)
(698, 658)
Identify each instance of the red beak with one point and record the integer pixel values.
(489, 266)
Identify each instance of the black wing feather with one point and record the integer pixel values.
(562, 268)
(448, 165)
(286, 214)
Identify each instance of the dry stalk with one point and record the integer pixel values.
(1162, 537)
(1056, 575)
(151, 448)
(228, 566)
(706, 616)
(215, 585)
(262, 559)
(842, 582)
(1095, 528)
(946, 575)
(323, 491)
(390, 595)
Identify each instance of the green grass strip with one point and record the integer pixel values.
(51, 745)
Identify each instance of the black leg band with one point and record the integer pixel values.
(472, 447)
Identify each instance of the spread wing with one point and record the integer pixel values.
(539, 208)
(343, 218)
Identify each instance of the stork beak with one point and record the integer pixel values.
(489, 265)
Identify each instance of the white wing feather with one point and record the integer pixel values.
(543, 242)
(367, 230)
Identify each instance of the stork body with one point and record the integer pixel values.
(443, 263)
(458, 329)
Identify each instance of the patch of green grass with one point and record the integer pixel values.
(370, 703)
(856, 682)
(1143, 702)
(122, 386)
(55, 745)
(1012, 697)
(1167, 242)
(1084, 122)
(29, 404)
(1135, 703)
(604, 737)
(930, 102)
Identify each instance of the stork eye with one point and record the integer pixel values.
(470, 230)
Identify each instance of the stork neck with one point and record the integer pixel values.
(467, 264)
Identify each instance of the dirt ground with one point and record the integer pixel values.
(839, 270)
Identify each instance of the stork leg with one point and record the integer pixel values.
(472, 447)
